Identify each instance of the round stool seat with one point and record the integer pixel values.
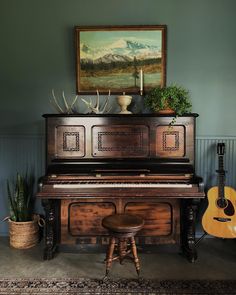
(123, 223)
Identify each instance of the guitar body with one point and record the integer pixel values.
(219, 219)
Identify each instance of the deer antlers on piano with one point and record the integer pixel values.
(66, 107)
(95, 108)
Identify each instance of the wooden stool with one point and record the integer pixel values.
(122, 227)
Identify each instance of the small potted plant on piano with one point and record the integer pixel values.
(171, 100)
(23, 224)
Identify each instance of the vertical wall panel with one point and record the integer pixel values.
(207, 160)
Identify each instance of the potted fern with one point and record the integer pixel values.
(172, 99)
(23, 224)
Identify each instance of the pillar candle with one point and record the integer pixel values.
(141, 80)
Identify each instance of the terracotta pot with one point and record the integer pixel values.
(166, 112)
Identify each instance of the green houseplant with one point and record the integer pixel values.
(23, 224)
(172, 99)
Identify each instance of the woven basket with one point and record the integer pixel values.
(24, 235)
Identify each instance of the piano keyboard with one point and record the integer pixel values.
(121, 185)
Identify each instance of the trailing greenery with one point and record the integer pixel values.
(20, 196)
(172, 97)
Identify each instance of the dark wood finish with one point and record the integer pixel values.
(123, 223)
(162, 220)
(120, 141)
(170, 142)
(51, 225)
(110, 252)
(78, 139)
(113, 149)
(122, 227)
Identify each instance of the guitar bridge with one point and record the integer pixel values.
(222, 219)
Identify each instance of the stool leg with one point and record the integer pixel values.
(122, 249)
(134, 252)
(110, 254)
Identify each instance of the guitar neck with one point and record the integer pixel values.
(221, 177)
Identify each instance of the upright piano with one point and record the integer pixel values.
(97, 165)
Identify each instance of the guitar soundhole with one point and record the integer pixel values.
(222, 203)
(229, 210)
(227, 205)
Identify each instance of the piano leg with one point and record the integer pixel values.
(50, 229)
(188, 229)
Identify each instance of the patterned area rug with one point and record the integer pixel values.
(113, 287)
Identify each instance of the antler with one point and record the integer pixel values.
(55, 103)
(96, 108)
(106, 103)
(67, 108)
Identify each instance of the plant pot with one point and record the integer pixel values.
(24, 235)
(166, 109)
(166, 112)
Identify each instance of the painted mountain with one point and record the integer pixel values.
(123, 48)
(113, 60)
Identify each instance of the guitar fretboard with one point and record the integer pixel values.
(221, 178)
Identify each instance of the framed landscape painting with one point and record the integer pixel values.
(120, 59)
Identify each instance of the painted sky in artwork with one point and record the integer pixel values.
(142, 44)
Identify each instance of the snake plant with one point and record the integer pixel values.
(20, 196)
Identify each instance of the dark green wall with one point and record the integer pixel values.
(37, 54)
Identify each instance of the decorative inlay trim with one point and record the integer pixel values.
(165, 145)
(138, 147)
(66, 144)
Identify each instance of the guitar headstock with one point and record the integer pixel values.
(220, 149)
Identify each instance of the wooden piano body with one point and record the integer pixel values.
(103, 164)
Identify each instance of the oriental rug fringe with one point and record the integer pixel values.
(114, 287)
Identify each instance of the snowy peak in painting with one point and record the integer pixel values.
(112, 58)
(119, 50)
(135, 45)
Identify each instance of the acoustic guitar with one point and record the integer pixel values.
(219, 219)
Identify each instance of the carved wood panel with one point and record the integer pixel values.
(170, 141)
(120, 141)
(70, 141)
(83, 219)
(157, 217)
